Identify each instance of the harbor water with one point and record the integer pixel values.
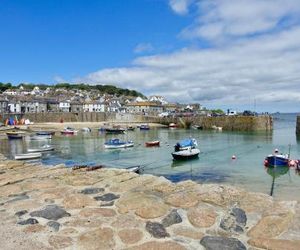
(214, 165)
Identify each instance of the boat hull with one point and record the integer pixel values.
(12, 137)
(45, 133)
(278, 161)
(28, 156)
(186, 154)
(126, 145)
(152, 144)
(34, 150)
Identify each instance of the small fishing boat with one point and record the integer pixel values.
(117, 143)
(68, 131)
(44, 148)
(173, 125)
(130, 128)
(217, 128)
(152, 143)
(15, 135)
(135, 169)
(28, 156)
(45, 133)
(186, 149)
(86, 130)
(186, 154)
(115, 130)
(40, 137)
(144, 127)
(277, 160)
(197, 127)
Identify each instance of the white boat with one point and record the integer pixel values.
(186, 154)
(68, 131)
(41, 137)
(86, 129)
(117, 143)
(42, 149)
(28, 156)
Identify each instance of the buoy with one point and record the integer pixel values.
(266, 163)
(233, 157)
(292, 163)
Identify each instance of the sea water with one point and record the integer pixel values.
(215, 163)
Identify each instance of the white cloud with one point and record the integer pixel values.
(217, 19)
(143, 47)
(180, 6)
(59, 79)
(264, 67)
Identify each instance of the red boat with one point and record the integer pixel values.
(173, 125)
(152, 143)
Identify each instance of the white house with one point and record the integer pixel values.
(14, 107)
(64, 106)
(93, 106)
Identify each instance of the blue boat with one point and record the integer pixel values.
(186, 144)
(117, 143)
(144, 127)
(277, 160)
(185, 150)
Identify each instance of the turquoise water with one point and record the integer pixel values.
(213, 166)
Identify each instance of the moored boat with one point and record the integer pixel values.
(144, 127)
(15, 135)
(28, 156)
(41, 137)
(135, 169)
(68, 131)
(117, 143)
(116, 130)
(86, 130)
(173, 125)
(130, 128)
(185, 150)
(197, 127)
(152, 143)
(45, 133)
(277, 160)
(44, 148)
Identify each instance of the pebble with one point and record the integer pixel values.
(92, 190)
(221, 243)
(53, 224)
(20, 213)
(157, 230)
(171, 218)
(30, 221)
(50, 212)
(107, 197)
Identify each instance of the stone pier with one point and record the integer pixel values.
(59, 208)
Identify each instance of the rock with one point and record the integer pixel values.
(221, 243)
(36, 228)
(171, 218)
(40, 184)
(157, 230)
(234, 221)
(68, 231)
(50, 212)
(29, 221)
(201, 216)
(54, 225)
(92, 190)
(158, 245)
(126, 221)
(101, 238)
(59, 242)
(18, 198)
(270, 226)
(188, 233)
(144, 205)
(2, 172)
(108, 204)
(240, 216)
(76, 201)
(274, 244)
(130, 236)
(97, 212)
(255, 202)
(20, 213)
(107, 197)
(54, 193)
(10, 189)
(87, 223)
(183, 199)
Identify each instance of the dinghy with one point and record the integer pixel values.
(41, 137)
(117, 143)
(68, 131)
(44, 148)
(15, 135)
(185, 150)
(28, 156)
(152, 143)
(45, 133)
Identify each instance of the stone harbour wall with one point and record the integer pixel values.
(298, 126)
(60, 208)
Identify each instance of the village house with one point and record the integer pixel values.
(64, 106)
(14, 106)
(93, 106)
(145, 107)
(52, 105)
(76, 106)
(3, 105)
(114, 105)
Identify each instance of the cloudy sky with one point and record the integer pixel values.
(240, 54)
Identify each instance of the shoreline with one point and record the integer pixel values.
(60, 208)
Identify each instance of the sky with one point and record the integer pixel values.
(237, 54)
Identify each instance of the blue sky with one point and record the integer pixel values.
(221, 53)
(41, 40)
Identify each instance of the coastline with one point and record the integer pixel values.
(60, 208)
